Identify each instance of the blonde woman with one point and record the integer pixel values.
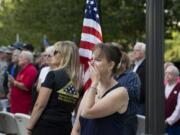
(58, 95)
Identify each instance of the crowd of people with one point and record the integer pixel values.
(47, 88)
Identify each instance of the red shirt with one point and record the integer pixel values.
(21, 100)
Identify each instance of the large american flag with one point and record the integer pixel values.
(91, 35)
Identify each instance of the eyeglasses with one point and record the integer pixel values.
(46, 55)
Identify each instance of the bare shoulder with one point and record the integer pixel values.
(120, 91)
(119, 94)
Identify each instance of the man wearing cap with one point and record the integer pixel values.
(28, 47)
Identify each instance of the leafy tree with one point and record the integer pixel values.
(58, 20)
(172, 48)
(122, 21)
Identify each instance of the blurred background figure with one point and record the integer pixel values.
(131, 59)
(172, 100)
(140, 68)
(48, 54)
(12, 69)
(130, 80)
(166, 65)
(42, 73)
(28, 47)
(21, 86)
(3, 67)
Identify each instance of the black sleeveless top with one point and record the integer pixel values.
(114, 124)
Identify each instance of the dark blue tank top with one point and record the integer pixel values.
(115, 124)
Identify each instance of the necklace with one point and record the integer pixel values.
(101, 93)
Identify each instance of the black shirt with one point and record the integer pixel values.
(114, 124)
(63, 98)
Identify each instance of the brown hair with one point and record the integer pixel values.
(110, 52)
(125, 60)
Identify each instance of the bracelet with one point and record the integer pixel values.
(93, 88)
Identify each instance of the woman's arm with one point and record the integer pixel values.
(40, 105)
(76, 126)
(115, 101)
(38, 85)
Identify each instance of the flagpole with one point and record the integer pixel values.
(155, 112)
(17, 38)
(99, 8)
(44, 36)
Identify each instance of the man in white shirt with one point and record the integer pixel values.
(172, 100)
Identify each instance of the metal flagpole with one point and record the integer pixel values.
(155, 117)
(17, 38)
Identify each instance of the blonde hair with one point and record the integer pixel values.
(69, 61)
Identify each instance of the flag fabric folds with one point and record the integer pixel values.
(90, 36)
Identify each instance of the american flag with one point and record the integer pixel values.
(91, 35)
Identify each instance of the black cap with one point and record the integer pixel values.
(28, 47)
(18, 46)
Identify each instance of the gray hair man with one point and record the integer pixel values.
(21, 86)
(140, 67)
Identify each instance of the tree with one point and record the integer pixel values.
(59, 20)
(122, 21)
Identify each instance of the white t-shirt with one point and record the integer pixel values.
(43, 73)
(137, 64)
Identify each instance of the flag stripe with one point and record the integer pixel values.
(90, 38)
(87, 45)
(89, 30)
(91, 35)
(93, 24)
(85, 53)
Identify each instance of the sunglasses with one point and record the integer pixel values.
(56, 52)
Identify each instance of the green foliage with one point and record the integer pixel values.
(172, 48)
(58, 20)
(122, 21)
